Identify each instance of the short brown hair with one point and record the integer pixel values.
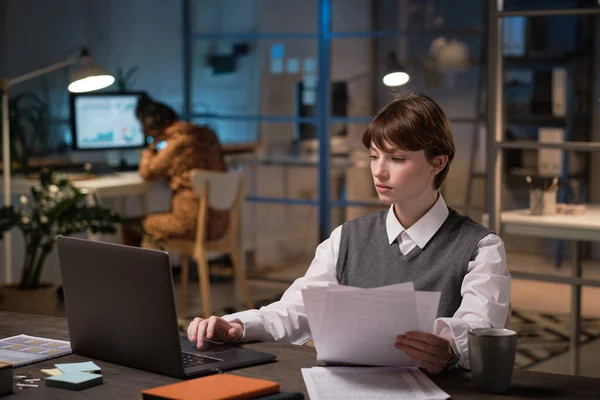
(414, 122)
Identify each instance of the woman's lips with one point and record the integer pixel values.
(382, 188)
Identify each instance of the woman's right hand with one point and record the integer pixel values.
(214, 328)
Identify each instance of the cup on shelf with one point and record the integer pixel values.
(542, 202)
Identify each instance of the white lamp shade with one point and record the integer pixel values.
(396, 78)
(88, 77)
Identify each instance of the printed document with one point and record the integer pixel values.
(362, 324)
(374, 383)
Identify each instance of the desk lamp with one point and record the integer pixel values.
(396, 74)
(85, 77)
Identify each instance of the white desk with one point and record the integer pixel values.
(578, 228)
(119, 185)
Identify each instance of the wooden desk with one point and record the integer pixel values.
(127, 383)
(577, 228)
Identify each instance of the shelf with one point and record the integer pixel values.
(543, 62)
(549, 12)
(523, 172)
(532, 119)
(533, 145)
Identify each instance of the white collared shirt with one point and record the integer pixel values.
(485, 288)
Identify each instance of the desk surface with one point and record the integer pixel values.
(127, 383)
(109, 185)
(572, 227)
(590, 220)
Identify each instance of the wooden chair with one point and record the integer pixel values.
(221, 191)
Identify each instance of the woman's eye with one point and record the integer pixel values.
(373, 157)
(398, 159)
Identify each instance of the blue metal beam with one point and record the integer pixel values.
(304, 202)
(252, 36)
(259, 118)
(322, 115)
(384, 34)
(281, 200)
(331, 35)
(187, 64)
(304, 120)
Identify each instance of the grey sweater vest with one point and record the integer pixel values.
(366, 259)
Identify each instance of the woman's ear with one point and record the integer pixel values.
(439, 162)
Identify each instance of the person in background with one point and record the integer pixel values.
(418, 238)
(176, 149)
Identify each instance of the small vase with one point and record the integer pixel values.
(42, 300)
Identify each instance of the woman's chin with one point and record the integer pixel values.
(385, 199)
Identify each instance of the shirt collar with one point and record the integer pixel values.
(424, 229)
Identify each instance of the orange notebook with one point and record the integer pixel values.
(214, 387)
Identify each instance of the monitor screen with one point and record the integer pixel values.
(104, 121)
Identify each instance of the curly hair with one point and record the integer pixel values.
(154, 116)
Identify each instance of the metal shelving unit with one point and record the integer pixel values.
(496, 145)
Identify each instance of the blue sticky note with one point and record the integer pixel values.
(74, 380)
(88, 366)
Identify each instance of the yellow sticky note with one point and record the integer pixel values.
(51, 372)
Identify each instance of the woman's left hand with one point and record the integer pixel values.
(428, 350)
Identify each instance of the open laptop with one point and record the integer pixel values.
(121, 309)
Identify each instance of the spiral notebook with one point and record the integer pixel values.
(23, 350)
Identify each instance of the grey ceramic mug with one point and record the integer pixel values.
(492, 354)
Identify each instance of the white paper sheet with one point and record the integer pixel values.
(362, 324)
(362, 328)
(427, 307)
(356, 383)
(314, 303)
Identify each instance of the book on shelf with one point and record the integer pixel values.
(559, 92)
(23, 350)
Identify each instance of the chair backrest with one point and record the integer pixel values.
(223, 189)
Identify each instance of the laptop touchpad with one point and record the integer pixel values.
(207, 347)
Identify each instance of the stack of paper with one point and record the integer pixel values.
(362, 324)
(354, 383)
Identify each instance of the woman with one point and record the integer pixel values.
(418, 239)
(177, 148)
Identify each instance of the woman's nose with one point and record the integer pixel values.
(379, 169)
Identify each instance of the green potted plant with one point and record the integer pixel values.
(55, 207)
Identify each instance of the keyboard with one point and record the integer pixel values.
(193, 360)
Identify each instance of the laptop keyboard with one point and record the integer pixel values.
(193, 360)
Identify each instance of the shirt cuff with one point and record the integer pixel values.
(252, 322)
(456, 330)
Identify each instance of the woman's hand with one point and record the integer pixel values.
(214, 328)
(431, 352)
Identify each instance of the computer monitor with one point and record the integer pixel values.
(105, 121)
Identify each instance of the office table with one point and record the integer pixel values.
(127, 383)
(118, 185)
(577, 228)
